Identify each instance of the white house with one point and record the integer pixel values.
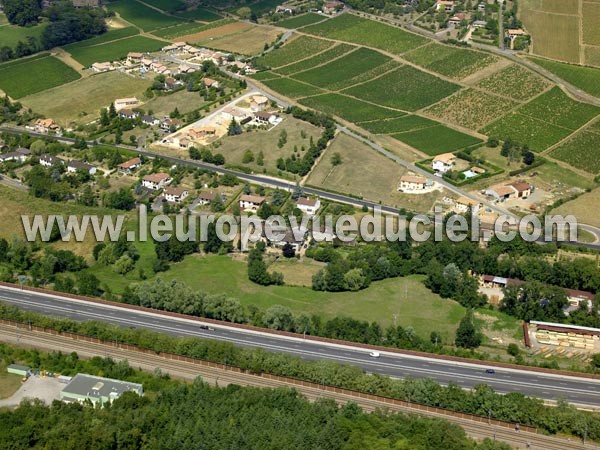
(49, 160)
(156, 181)
(412, 183)
(20, 155)
(175, 194)
(150, 120)
(130, 166)
(74, 165)
(102, 66)
(463, 204)
(443, 163)
(251, 202)
(206, 198)
(308, 206)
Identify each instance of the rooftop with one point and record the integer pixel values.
(97, 387)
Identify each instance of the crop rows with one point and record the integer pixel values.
(406, 88)
(585, 78)
(366, 75)
(437, 139)
(471, 108)
(291, 88)
(349, 66)
(267, 75)
(140, 15)
(300, 21)
(398, 125)
(321, 58)
(350, 28)
(34, 75)
(201, 14)
(300, 48)
(515, 81)
(581, 151)
(348, 108)
(115, 50)
(103, 38)
(452, 62)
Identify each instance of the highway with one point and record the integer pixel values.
(581, 391)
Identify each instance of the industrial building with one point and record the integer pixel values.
(97, 389)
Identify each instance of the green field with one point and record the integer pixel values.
(350, 28)
(292, 88)
(300, 48)
(348, 108)
(450, 61)
(585, 78)
(103, 38)
(28, 76)
(259, 7)
(398, 125)
(515, 81)
(10, 35)
(437, 139)
(113, 51)
(166, 5)
(406, 88)
(580, 151)
(140, 15)
(543, 121)
(182, 29)
(300, 21)
(266, 75)
(344, 68)
(204, 15)
(322, 58)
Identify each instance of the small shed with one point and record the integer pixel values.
(17, 369)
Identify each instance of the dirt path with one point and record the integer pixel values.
(66, 57)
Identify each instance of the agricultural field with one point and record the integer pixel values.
(580, 151)
(146, 18)
(266, 75)
(560, 7)
(591, 20)
(471, 108)
(554, 36)
(184, 101)
(350, 28)
(515, 81)
(543, 121)
(10, 35)
(112, 51)
(300, 21)
(397, 125)
(355, 175)
(406, 88)
(585, 78)
(210, 30)
(292, 88)
(234, 147)
(250, 41)
(300, 48)
(259, 7)
(81, 101)
(348, 108)
(559, 109)
(182, 29)
(344, 68)
(166, 5)
(109, 36)
(584, 207)
(592, 56)
(28, 76)
(450, 61)
(201, 14)
(435, 140)
(322, 58)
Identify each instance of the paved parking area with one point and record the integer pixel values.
(43, 388)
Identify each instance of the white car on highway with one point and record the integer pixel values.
(374, 354)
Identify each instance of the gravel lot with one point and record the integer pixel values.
(46, 389)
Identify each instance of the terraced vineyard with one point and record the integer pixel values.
(471, 108)
(515, 81)
(544, 121)
(452, 62)
(350, 28)
(406, 88)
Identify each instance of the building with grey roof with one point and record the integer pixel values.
(97, 389)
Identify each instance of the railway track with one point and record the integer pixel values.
(189, 371)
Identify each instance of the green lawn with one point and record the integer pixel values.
(28, 76)
(10, 35)
(113, 51)
(585, 78)
(420, 308)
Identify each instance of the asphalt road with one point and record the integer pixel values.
(548, 387)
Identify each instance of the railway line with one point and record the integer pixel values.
(189, 370)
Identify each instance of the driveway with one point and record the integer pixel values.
(43, 388)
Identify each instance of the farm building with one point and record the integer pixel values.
(98, 390)
(563, 335)
(16, 369)
(122, 103)
(412, 183)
